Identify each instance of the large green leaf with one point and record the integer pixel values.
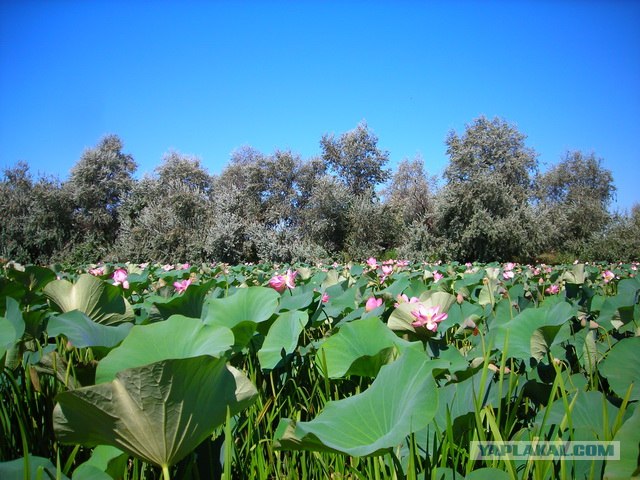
(401, 400)
(488, 473)
(620, 367)
(11, 326)
(82, 332)
(360, 347)
(342, 299)
(532, 332)
(282, 338)
(575, 275)
(586, 423)
(297, 299)
(177, 337)
(158, 412)
(628, 467)
(460, 398)
(189, 303)
(242, 311)
(254, 304)
(100, 301)
(106, 463)
(39, 468)
(33, 277)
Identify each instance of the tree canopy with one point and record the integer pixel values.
(346, 203)
(485, 212)
(356, 159)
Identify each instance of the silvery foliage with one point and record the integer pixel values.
(37, 215)
(618, 242)
(355, 159)
(284, 245)
(325, 219)
(169, 227)
(167, 216)
(576, 193)
(225, 238)
(99, 182)
(411, 192)
(372, 227)
(485, 210)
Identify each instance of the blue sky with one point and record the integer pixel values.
(205, 78)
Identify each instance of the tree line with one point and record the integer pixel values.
(493, 204)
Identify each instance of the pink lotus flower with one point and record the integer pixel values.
(509, 266)
(98, 271)
(372, 262)
(277, 282)
(387, 270)
(281, 282)
(290, 278)
(508, 275)
(437, 276)
(402, 298)
(182, 285)
(552, 289)
(184, 266)
(428, 317)
(608, 275)
(325, 297)
(120, 278)
(167, 267)
(372, 304)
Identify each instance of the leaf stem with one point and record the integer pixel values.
(165, 472)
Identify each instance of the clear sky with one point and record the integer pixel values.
(205, 78)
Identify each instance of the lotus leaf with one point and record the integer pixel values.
(360, 347)
(159, 412)
(101, 302)
(401, 400)
(81, 331)
(282, 338)
(177, 337)
(629, 437)
(620, 367)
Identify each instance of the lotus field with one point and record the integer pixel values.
(360, 371)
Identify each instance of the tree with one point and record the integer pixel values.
(618, 242)
(371, 227)
(184, 169)
(273, 191)
(484, 211)
(36, 224)
(356, 160)
(50, 224)
(578, 192)
(325, 220)
(245, 174)
(15, 191)
(411, 198)
(166, 217)
(98, 184)
(309, 172)
(410, 193)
